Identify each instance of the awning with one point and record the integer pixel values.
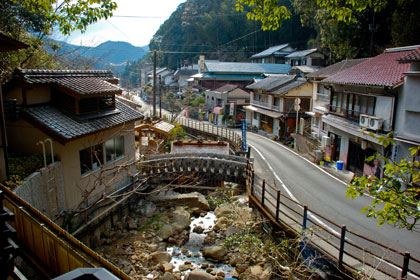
(269, 113)
(320, 110)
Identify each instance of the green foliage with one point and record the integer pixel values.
(395, 198)
(154, 222)
(21, 167)
(197, 101)
(176, 132)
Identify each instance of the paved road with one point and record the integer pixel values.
(311, 186)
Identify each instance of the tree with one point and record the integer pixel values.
(271, 13)
(395, 197)
(31, 20)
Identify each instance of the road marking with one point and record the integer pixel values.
(290, 193)
(293, 152)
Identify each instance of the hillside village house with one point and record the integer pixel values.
(227, 100)
(183, 75)
(275, 54)
(214, 74)
(379, 95)
(92, 132)
(321, 94)
(272, 106)
(311, 57)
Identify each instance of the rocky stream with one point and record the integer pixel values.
(181, 236)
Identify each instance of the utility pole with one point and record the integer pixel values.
(160, 96)
(154, 83)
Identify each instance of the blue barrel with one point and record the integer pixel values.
(340, 165)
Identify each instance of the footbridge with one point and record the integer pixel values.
(207, 166)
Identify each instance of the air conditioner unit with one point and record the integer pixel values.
(325, 141)
(314, 135)
(364, 120)
(375, 123)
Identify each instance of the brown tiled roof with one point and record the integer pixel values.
(413, 56)
(383, 70)
(335, 68)
(83, 82)
(64, 128)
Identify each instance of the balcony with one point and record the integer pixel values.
(262, 104)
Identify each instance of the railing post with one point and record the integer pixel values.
(278, 205)
(263, 192)
(305, 216)
(404, 271)
(342, 242)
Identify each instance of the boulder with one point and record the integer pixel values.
(191, 200)
(222, 224)
(217, 253)
(165, 232)
(161, 256)
(198, 229)
(223, 210)
(168, 276)
(231, 230)
(167, 267)
(258, 272)
(181, 218)
(198, 275)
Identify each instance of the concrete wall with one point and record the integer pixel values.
(384, 109)
(408, 110)
(45, 190)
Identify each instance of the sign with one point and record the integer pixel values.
(297, 101)
(186, 112)
(232, 109)
(243, 126)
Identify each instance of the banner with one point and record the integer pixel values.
(232, 109)
(243, 126)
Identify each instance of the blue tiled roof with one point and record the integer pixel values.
(246, 68)
(270, 51)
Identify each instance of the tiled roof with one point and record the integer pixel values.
(84, 82)
(301, 53)
(9, 44)
(271, 83)
(335, 68)
(383, 70)
(270, 51)
(288, 87)
(64, 128)
(238, 93)
(225, 88)
(246, 68)
(413, 56)
(185, 72)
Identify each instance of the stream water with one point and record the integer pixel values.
(190, 252)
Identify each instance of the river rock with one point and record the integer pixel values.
(168, 276)
(167, 267)
(258, 272)
(223, 210)
(165, 232)
(217, 253)
(191, 200)
(161, 256)
(198, 229)
(181, 219)
(221, 224)
(231, 230)
(198, 275)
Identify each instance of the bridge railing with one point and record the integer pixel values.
(55, 250)
(346, 246)
(223, 132)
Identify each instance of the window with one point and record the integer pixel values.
(351, 105)
(256, 116)
(91, 158)
(114, 148)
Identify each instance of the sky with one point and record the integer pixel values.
(134, 21)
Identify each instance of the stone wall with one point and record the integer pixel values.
(45, 190)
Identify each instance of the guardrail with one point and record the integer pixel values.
(223, 132)
(345, 246)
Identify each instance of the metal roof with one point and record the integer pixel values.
(301, 53)
(271, 83)
(246, 68)
(270, 51)
(288, 87)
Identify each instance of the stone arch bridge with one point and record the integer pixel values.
(208, 166)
